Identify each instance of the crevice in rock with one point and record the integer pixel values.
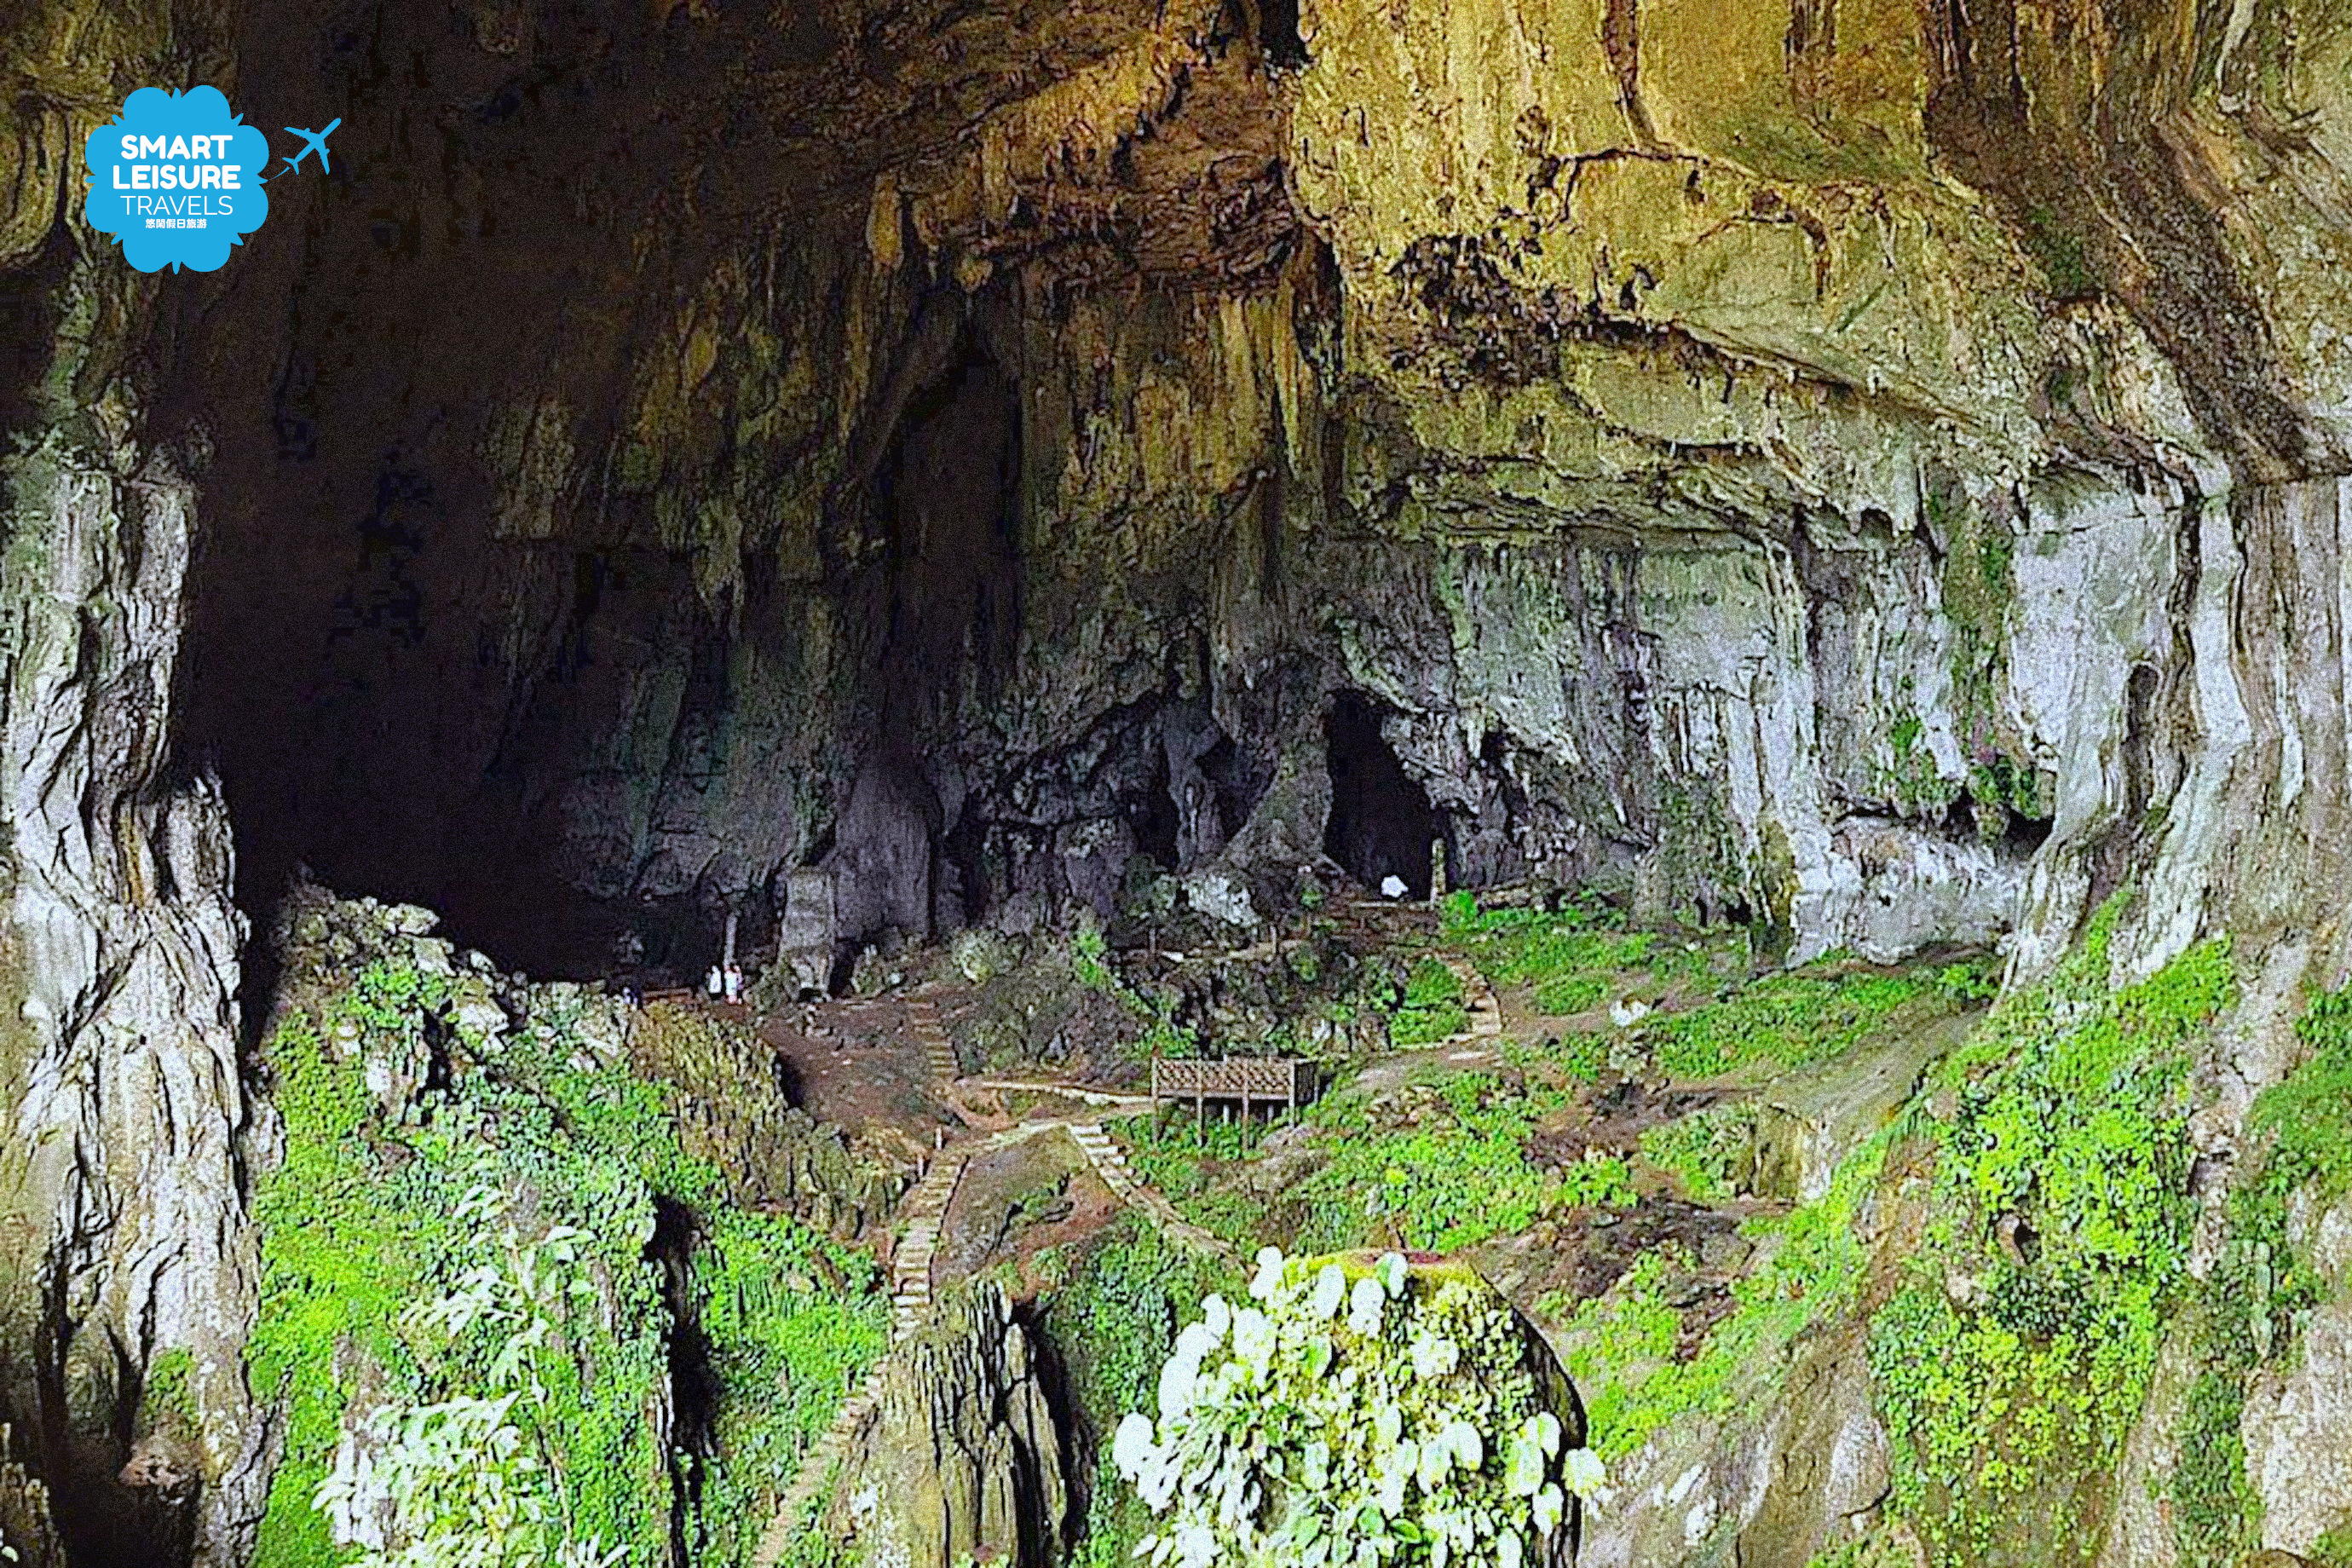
(1382, 824)
(694, 1384)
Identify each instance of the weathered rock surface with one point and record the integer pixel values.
(964, 1460)
(1709, 492)
(26, 1528)
(123, 1228)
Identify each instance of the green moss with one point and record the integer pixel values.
(2060, 253)
(356, 1227)
(1699, 850)
(167, 1399)
(1908, 775)
(2248, 1306)
(2333, 1550)
(2068, 1138)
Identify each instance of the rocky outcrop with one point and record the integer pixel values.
(964, 1459)
(1703, 490)
(123, 1242)
(119, 1190)
(2298, 1422)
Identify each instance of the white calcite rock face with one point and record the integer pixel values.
(121, 1206)
(2298, 1434)
(1220, 895)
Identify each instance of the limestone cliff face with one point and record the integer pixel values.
(963, 1460)
(122, 1236)
(1762, 459)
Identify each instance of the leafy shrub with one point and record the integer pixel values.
(1362, 1412)
(476, 1477)
(1116, 1322)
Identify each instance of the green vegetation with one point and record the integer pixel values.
(2305, 1117)
(1458, 1174)
(1443, 1167)
(1573, 958)
(1909, 778)
(2247, 1308)
(1361, 1412)
(2058, 252)
(1432, 1008)
(1792, 1019)
(391, 1205)
(2333, 1550)
(1162, 1034)
(1623, 1347)
(1116, 1317)
(167, 1400)
(2061, 1189)
(1705, 1151)
(1190, 1164)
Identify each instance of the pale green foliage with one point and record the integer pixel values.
(475, 1479)
(1356, 1415)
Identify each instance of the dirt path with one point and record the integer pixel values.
(856, 1062)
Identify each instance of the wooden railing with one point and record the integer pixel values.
(1252, 1081)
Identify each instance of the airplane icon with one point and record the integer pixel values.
(318, 143)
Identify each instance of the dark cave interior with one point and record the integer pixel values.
(1382, 824)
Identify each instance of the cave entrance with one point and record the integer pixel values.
(1382, 824)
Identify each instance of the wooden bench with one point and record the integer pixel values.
(1250, 1081)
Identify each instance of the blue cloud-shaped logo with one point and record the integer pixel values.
(176, 178)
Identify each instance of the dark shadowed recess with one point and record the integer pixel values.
(1382, 824)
